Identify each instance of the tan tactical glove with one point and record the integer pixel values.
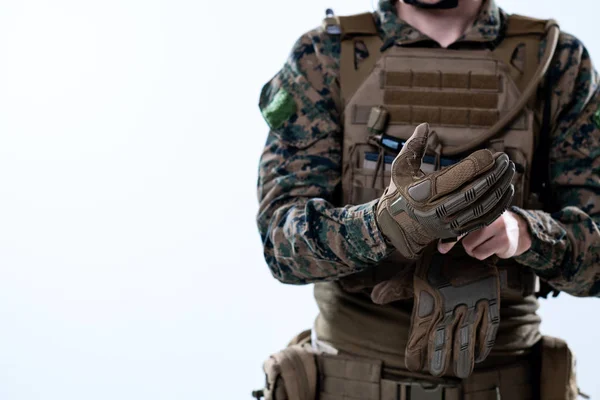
(455, 316)
(416, 209)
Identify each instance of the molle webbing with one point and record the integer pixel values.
(412, 97)
(441, 99)
(438, 80)
(457, 117)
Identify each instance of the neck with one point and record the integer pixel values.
(443, 26)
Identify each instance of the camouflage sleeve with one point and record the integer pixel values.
(306, 238)
(566, 244)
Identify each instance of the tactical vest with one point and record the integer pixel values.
(471, 99)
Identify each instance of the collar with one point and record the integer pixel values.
(486, 27)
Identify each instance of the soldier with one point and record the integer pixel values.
(427, 166)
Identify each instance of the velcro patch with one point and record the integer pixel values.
(281, 108)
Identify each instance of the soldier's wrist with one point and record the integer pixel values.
(524, 234)
(385, 240)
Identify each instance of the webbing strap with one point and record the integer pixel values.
(519, 25)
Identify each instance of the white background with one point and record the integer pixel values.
(130, 263)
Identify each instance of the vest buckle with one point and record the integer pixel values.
(331, 23)
(420, 391)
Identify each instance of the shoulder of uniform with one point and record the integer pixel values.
(567, 40)
(571, 53)
(363, 24)
(314, 45)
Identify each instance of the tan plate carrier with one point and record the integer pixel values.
(470, 98)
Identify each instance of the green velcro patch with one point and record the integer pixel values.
(596, 118)
(280, 109)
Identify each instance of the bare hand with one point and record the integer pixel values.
(506, 237)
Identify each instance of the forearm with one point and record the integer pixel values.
(565, 245)
(565, 249)
(309, 240)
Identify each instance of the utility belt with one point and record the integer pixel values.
(301, 373)
(342, 378)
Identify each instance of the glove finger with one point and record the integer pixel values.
(488, 328)
(464, 343)
(408, 161)
(416, 349)
(503, 172)
(489, 203)
(440, 345)
(471, 223)
(423, 316)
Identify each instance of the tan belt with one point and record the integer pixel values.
(349, 378)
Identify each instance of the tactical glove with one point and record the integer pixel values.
(455, 316)
(416, 209)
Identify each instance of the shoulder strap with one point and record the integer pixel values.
(519, 25)
(354, 28)
(522, 34)
(528, 34)
(528, 78)
(358, 24)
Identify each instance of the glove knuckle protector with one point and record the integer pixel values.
(417, 208)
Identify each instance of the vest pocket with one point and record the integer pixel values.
(370, 171)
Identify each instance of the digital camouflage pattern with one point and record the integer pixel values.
(308, 236)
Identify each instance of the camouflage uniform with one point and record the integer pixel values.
(308, 236)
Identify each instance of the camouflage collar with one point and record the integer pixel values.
(485, 29)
